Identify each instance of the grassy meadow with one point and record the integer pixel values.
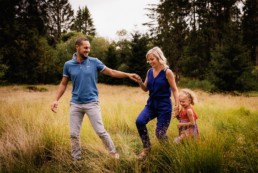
(33, 139)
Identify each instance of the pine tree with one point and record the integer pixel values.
(111, 62)
(230, 67)
(83, 22)
(22, 24)
(137, 61)
(60, 15)
(250, 28)
(171, 28)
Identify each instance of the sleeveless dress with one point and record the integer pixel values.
(159, 91)
(159, 105)
(191, 130)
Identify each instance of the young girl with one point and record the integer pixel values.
(187, 117)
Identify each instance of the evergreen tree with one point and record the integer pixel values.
(47, 65)
(209, 22)
(83, 22)
(230, 67)
(137, 61)
(111, 62)
(196, 56)
(3, 68)
(188, 30)
(60, 15)
(22, 25)
(8, 25)
(123, 51)
(171, 28)
(250, 29)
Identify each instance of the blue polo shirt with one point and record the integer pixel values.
(84, 78)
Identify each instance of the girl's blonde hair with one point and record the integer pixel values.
(190, 94)
(157, 52)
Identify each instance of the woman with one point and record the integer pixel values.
(159, 81)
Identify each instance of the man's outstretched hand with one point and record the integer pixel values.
(54, 106)
(134, 77)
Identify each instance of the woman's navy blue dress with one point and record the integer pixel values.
(159, 105)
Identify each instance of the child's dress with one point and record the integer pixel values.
(191, 130)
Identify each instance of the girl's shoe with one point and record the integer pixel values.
(177, 140)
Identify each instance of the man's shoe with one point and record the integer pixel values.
(115, 155)
(77, 158)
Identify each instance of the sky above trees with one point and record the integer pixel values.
(113, 15)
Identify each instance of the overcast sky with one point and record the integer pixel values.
(109, 16)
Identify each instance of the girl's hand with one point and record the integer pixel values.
(176, 111)
(178, 125)
(175, 116)
(176, 108)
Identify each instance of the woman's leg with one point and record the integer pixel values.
(163, 122)
(164, 114)
(144, 117)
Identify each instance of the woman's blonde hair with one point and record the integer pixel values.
(190, 94)
(157, 52)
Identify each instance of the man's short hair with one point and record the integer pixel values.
(79, 41)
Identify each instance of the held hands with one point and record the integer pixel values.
(134, 77)
(176, 108)
(54, 106)
(175, 116)
(176, 111)
(139, 80)
(141, 84)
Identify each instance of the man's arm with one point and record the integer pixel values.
(60, 91)
(120, 74)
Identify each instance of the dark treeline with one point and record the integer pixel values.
(205, 40)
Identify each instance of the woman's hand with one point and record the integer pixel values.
(134, 77)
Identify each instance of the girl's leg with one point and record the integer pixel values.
(196, 131)
(144, 117)
(178, 139)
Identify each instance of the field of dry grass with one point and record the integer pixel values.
(33, 139)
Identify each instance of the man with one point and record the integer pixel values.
(83, 72)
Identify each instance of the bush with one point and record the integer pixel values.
(195, 84)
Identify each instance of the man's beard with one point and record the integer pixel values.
(83, 56)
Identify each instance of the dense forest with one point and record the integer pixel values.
(205, 40)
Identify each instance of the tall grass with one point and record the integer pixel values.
(33, 139)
